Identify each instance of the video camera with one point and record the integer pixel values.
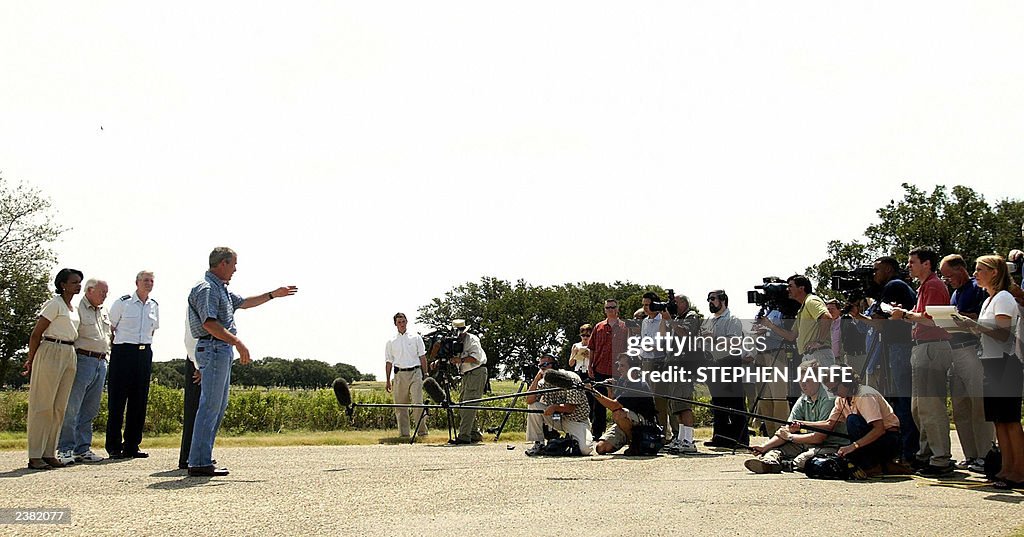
(669, 305)
(773, 294)
(446, 342)
(856, 284)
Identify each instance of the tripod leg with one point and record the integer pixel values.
(504, 421)
(415, 432)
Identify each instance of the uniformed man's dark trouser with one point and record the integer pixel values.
(192, 391)
(127, 382)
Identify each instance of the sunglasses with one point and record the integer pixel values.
(584, 334)
(547, 364)
(611, 307)
(712, 298)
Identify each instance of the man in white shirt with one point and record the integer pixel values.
(471, 362)
(133, 318)
(406, 356)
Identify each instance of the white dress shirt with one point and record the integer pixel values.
(134, 321)
(404, 350)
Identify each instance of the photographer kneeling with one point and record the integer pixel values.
(869, 419)
(640, 409)
(564, 410)
(787, 449)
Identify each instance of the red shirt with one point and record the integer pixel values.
(606, 343)
(932, 293)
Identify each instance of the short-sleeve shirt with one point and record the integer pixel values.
(967, 299)
(637, 402)
(933, 292)
(471, 348)
(1001, 304)
(807, 409)
(94, 329)
(869, 404)
(404, 350)
(649, 330)
(63, 322)
(722, 326)
(210, 299)
(606, 343)
(807, 323)
(569, 397)
(133, 320)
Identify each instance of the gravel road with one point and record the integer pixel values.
(486, 490)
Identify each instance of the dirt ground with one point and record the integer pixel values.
(488, 489)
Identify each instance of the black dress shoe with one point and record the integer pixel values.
(115, 455)
(207, 471)
(720, 443)
(459, 442)
(136, 455)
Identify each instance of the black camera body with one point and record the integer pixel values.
(856, 284)
(446, 342)
(670, 305)
(773, 294)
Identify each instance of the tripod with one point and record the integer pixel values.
(784, 348)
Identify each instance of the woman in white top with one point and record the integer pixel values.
(579, 356)
(51, 363)
(1004, 377)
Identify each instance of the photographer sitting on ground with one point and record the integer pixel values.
(564, 410)
(869, 419)
(787, 449)
(628, 408)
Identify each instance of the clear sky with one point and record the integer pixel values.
(378, 153)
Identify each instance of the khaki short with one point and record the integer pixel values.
(616, 436)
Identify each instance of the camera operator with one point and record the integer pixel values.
(966, 382)
(930, 360)
(896, 344)
(772, 397)
(474, 379)
(787, 450)
(728, 429)
(653, 327)
(813, 327)
(564, 410)
(628, 408)
(686, 324)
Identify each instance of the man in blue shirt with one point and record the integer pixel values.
(974, 432)
(211, 319)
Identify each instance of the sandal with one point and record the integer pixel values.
(1006, 484)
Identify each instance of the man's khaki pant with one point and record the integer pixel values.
(408, 388)
(929, 365)
(53, 375)
(580, 430)
(798, 453)
(967, 389)
(473, 383)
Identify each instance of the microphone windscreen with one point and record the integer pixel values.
(342, 392)
(434, 390)
(561, 379)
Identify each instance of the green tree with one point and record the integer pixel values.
(518, 322)
(957, 220)
(26, 230)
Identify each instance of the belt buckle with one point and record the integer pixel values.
(142, 347)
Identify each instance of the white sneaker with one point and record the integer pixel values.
(687, 448)
(66, 457)
(88, 456)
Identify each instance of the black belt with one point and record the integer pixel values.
(964, 344)
(99, 355)
(140, 346)
(926, 341)
(58, 341)
(210, 338)
(401, 369)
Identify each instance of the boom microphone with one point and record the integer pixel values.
(434, 390)
(562, 379)
(342, 392)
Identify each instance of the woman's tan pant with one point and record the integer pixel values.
(53, 374)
